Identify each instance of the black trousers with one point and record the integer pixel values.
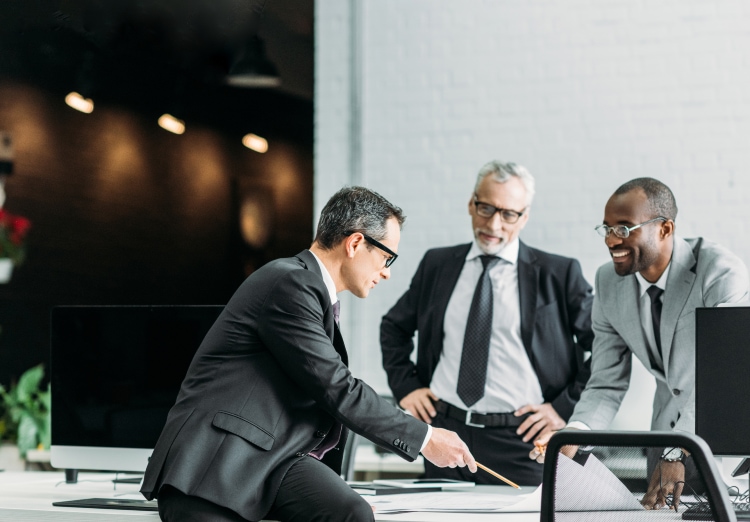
(310, 491)
(500, 449)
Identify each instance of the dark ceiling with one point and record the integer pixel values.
(165, 55)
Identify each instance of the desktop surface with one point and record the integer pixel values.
(28, 496)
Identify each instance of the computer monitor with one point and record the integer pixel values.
(722, 379)
(115, 372)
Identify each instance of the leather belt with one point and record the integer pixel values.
(479, 420)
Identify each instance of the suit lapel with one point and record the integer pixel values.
(679, 284)
(310, 263)
(338, 343)
(630, 327)
(447, 276)
(528, 289)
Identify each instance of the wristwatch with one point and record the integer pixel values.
(674, 455)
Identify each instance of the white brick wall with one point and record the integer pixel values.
(412, 97)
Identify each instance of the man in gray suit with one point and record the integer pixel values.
(644, 305)
(268, 399)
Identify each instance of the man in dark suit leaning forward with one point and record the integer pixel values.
(266, 404)
(502, 330)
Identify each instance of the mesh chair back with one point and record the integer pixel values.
(609, 474)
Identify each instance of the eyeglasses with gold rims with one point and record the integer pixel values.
(486, 211)
(374, 242)
(623, 231)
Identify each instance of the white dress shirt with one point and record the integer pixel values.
(511, 379)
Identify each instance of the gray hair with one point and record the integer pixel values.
(660, 198)
(355, 209)
(502, 172)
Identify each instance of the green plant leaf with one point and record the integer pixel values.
(28, 384)
(28, 435)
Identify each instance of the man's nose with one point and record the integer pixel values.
(496, 222)
(612, 240)
(386, 273)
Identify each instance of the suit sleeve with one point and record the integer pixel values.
(291, 326)
(397, 339)
(579, 301)
(726, 283)
(611, 366)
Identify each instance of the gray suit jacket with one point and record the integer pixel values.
(264, 389)
(702, 274)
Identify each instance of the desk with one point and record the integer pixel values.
(28, 497)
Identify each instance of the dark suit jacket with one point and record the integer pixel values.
(265, 387)
(555, 306)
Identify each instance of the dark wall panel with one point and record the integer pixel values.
(125, 213)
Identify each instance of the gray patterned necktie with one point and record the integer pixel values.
(336, 311)
(472, 374)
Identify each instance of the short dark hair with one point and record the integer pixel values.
(660, 197)
(355, 209)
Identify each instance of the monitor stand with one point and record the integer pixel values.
(71, 476)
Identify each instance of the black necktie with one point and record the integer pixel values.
(654, 292)
(473, 372)
(336, 311)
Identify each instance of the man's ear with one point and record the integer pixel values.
(667, 229)
(351, 243)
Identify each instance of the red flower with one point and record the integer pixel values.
(13, 231)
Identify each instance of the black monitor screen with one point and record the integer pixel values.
(116, 370)
(722, 379)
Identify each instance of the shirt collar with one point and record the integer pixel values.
(644, 285)
(509, 253)
(327, 279)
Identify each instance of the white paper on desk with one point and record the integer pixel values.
(591, 487)
(458, 501)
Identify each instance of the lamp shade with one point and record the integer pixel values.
(252, 68)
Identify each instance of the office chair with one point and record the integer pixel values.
(609, 473)
(350, 452)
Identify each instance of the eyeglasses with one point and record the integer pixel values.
(486, 210)
(374, 242)
(623, 231)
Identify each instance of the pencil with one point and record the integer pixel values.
(498, 475)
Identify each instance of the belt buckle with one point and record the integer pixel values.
(469, 423)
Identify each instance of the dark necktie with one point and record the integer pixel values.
(654, 292)
(336, 311)
(472, 374)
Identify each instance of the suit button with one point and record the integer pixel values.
(671, 424)
(406, 448)
(299, 454)
(676, 391)
(397, 442)
(320, 434)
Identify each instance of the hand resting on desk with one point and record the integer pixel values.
(668, 478)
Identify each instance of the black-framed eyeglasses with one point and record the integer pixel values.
(486, 210)
(374, 242)
(623, 231)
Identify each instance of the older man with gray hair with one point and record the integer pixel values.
(502, 331)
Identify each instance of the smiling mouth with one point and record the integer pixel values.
(619, 253)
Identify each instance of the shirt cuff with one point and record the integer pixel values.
(427, 438)
(578, 425)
